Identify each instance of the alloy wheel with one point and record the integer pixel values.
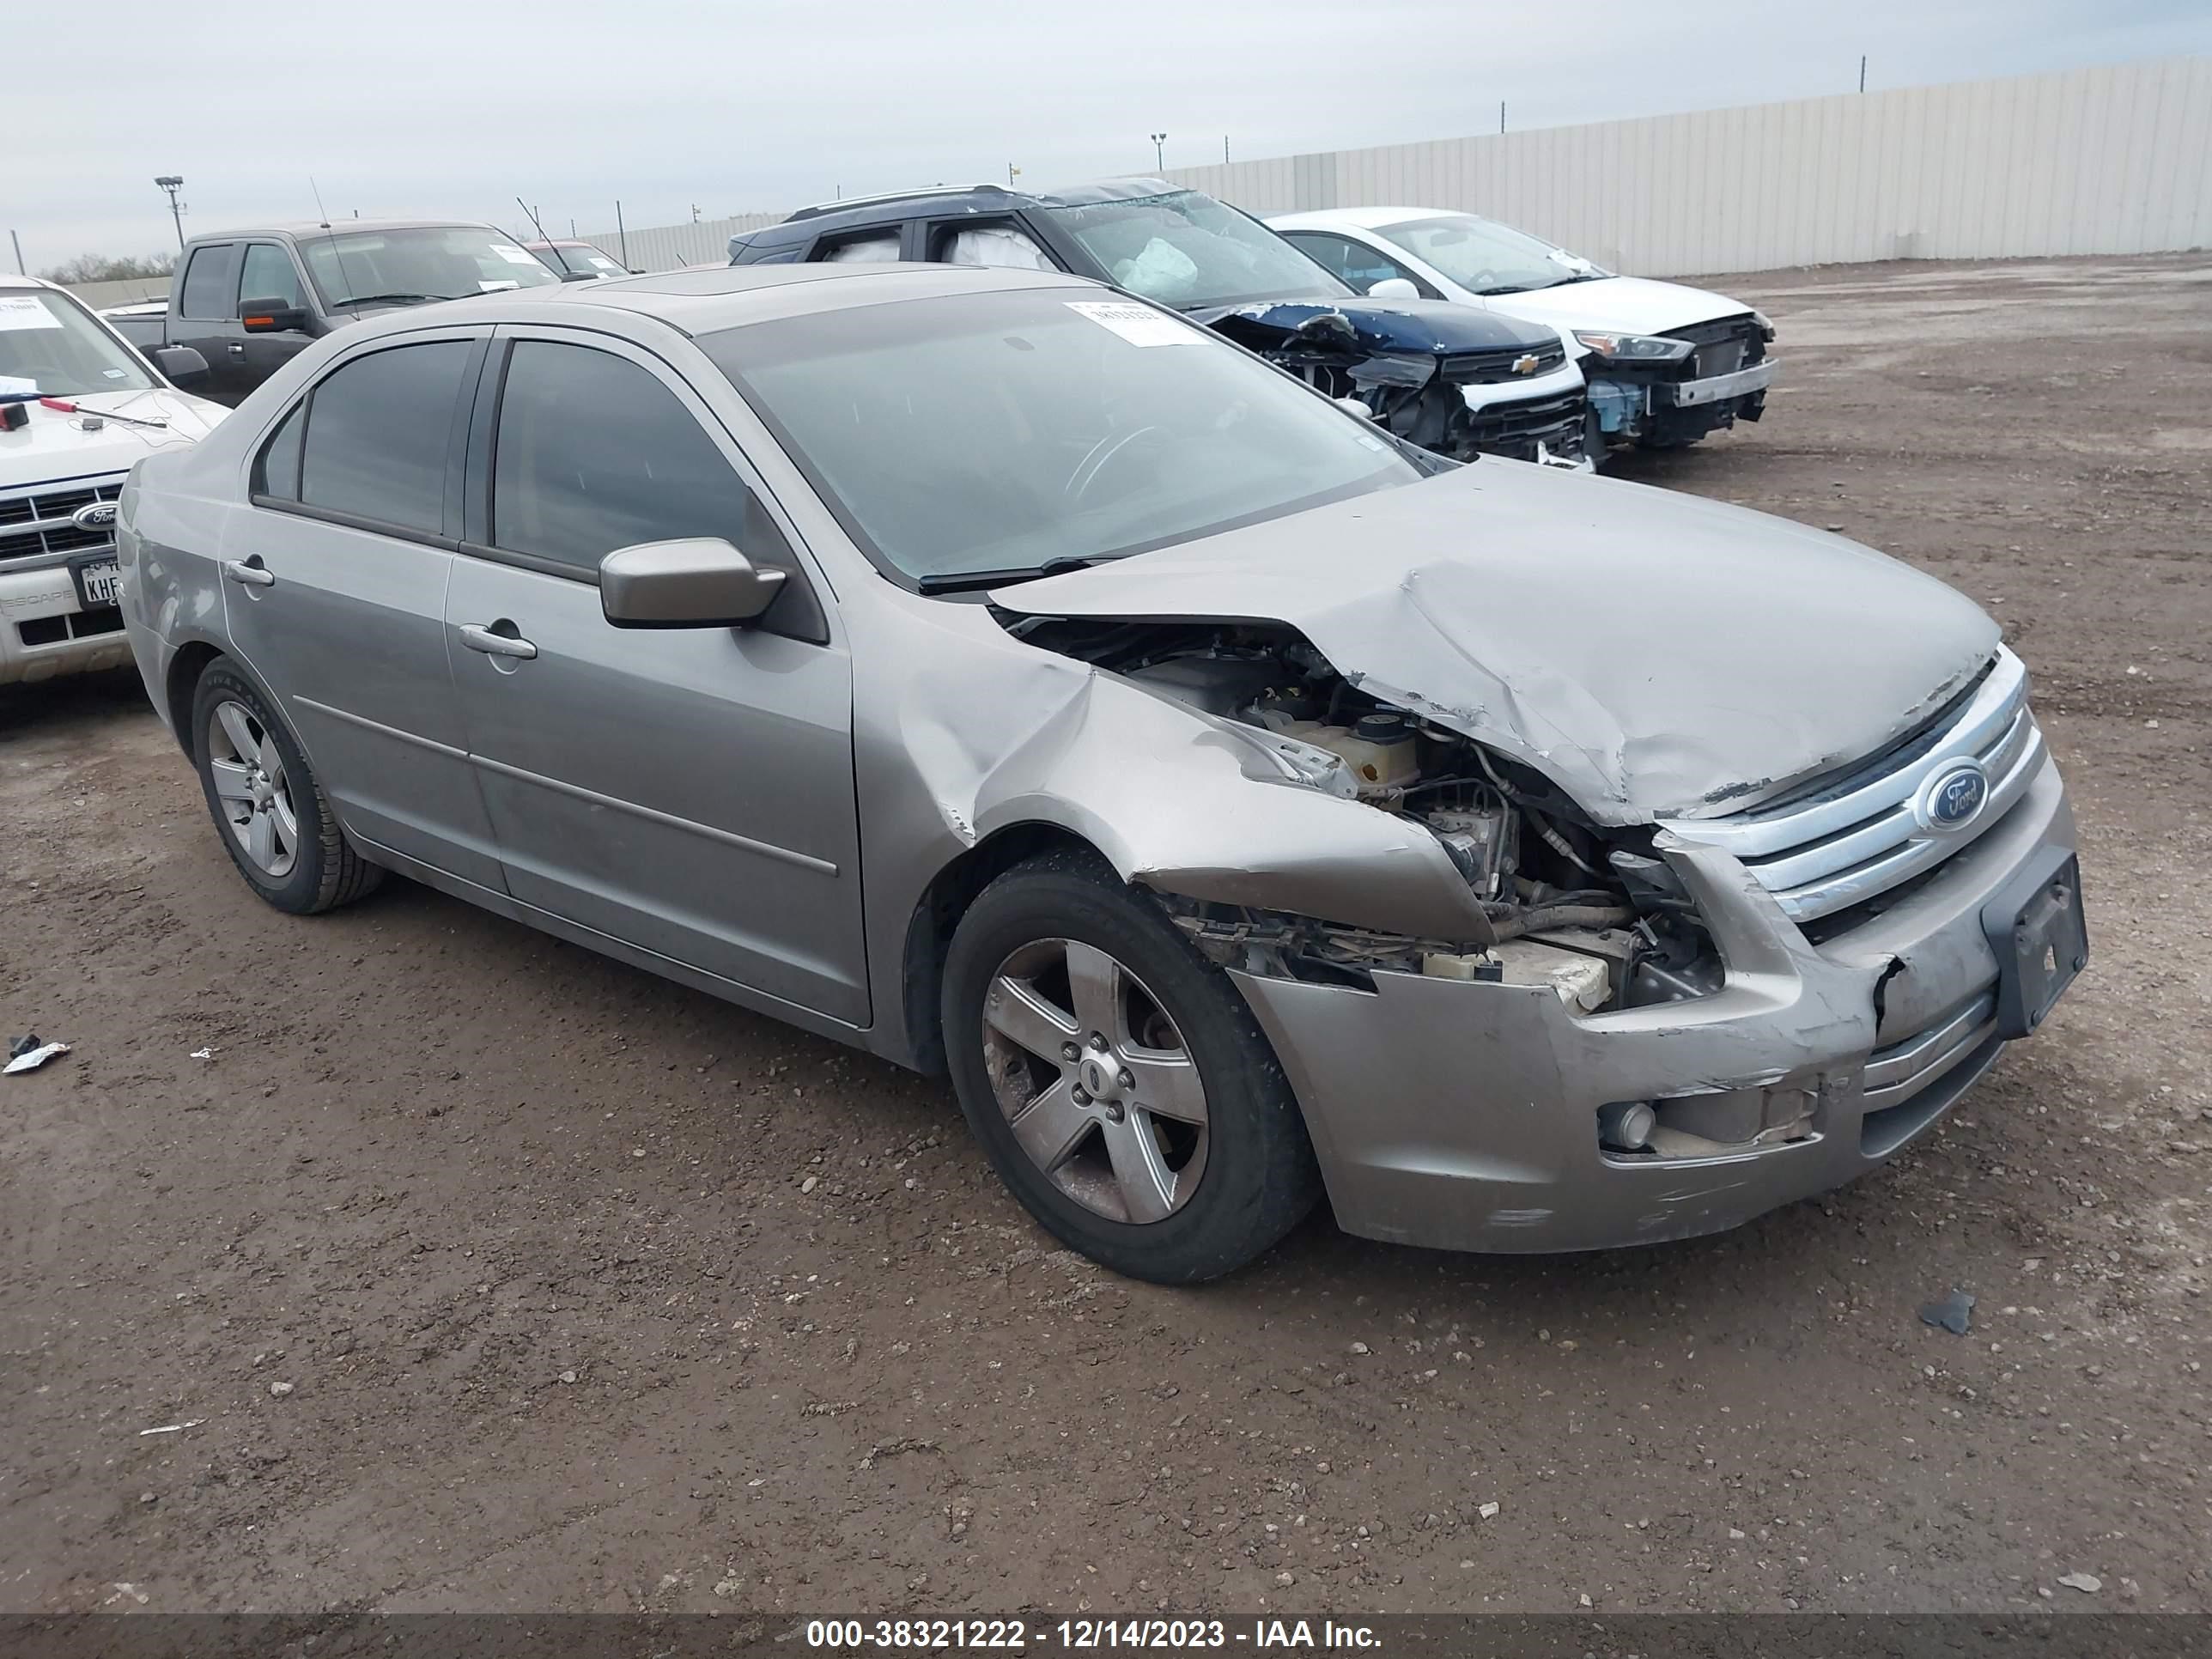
(1101, 1092)
(251, 788)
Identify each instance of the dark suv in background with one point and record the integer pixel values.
(1446, 377)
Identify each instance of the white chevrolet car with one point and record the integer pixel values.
(78, 406)
(1666, 363)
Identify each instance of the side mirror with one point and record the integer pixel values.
(1392, 288)
(701, 581)
(180, 366)
(567, 276)
(1353, 406)
(271, 317)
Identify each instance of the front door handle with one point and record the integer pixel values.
(248, 575)
(496, 644)
(238, 348)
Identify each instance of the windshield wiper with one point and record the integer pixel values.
(966, 581)
(390, 299)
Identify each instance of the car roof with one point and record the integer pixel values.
(854, 212)
(10, 279)
(1364, 218)
(307, 230)
(707, 299)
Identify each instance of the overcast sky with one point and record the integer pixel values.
(453, 108)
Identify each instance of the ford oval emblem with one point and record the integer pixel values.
(96, 516)
(1953, 797)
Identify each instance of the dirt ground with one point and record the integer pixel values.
(481, 1273)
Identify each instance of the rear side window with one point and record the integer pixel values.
(277, 474)
(999, 244)
(207, 293)
(380, 433)
(267, 275)
(594, 454)
(869, 247)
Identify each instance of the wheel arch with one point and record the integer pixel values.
(192, 660)
(942, 902)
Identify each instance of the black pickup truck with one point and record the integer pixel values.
(247, 300)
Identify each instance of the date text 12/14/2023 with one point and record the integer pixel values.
(1085, 1635)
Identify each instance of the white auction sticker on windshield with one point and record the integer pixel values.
(492, 285)
(513, 255)
(1137, 324)
(21, 311)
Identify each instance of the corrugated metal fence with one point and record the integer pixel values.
(665, 247)
(2113, 160)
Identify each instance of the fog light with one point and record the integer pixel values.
(1625, 1125)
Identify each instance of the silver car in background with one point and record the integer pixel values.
(1016, 680)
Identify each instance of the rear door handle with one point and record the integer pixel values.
(496, 644)
(248, 575)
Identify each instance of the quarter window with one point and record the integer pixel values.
(594, 454)
(278, 473)
(379, 435)
(207, 293)
(269, 275)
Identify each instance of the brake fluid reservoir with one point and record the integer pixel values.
(1379, 749)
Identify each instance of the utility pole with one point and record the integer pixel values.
(1224, 150)
(1862, 71)
(173, 183)
(1012, 173)
(1501, 115)
(1158, 139)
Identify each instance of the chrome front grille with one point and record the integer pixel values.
(36, 525)
(1839, 846)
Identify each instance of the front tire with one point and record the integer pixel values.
(269, 811)
(1120, 1086)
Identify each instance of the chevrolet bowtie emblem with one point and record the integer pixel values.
(1525, 363)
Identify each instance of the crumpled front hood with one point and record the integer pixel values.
(1654, 654)
(1406, 327)
(51, 446)
(1628, 305)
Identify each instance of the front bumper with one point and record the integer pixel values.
(44, 632)
(1463, 1116)
(1626, 407)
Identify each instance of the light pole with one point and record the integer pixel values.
(1158, 139)
(173, 182)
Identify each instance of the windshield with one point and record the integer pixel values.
(50, 347)
(1004, 432)
(407, 267)
(1487, 257)
(589, 261)
(1187, 250)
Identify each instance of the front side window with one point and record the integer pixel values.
(267, 275)
(1353, 263)
(51, 347)
(992, 244)
(207, 293)
(1187, 250)
(595, 453)
(1487, 257)
(277, 473)
(379, 435)
(1001, 432)
(416, 266)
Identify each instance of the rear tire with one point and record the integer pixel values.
(269, 811)
(1118, 1082)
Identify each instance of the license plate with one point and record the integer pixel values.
(96, 581)
(2036, 927)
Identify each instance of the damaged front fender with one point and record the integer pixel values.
(1173, 799)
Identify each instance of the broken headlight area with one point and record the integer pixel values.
(1593, 915)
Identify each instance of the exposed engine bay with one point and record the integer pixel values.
(1592, 913)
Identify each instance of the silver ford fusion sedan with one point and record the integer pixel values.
(1018, 682)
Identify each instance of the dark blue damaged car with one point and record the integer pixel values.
(1452, 379)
